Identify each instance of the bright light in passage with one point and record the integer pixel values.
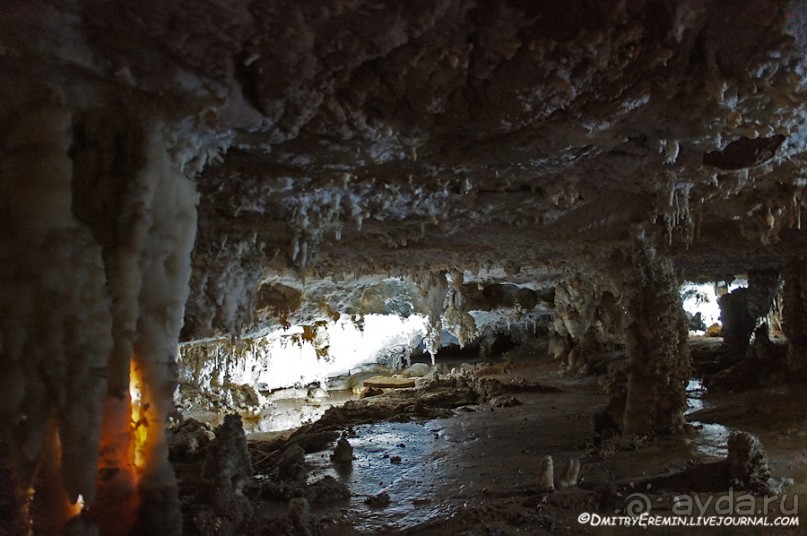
(701, 298)
(281, 363)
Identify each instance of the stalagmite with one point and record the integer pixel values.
(343, 452)
(546, 477)
(570, 474)
(656, 340)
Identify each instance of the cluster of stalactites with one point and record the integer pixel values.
(55, 329)
(433, 288)
(676, 210)
(441, 294)
(75, 313)
(458, 321)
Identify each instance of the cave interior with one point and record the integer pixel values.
(365, 266)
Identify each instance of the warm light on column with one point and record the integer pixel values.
(139, 419)
(77, 507)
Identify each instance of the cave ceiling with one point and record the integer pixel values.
(519, 142)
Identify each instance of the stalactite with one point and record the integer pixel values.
(433, 288)
(656, 339)
(587, 321)
(458, 321)
(90, 277)
(166, 276)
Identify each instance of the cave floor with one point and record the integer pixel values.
(477, 470)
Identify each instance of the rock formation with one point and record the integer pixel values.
(212, 170)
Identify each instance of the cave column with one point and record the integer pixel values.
(54, 323)
(575, 304)
(433, 288)
(458, 321)
(656, 341)
(166, 278)
(738, 324)
(794, 317)
(149, 269)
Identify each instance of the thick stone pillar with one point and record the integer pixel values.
(740, 309)
(763, 286)
(94, 269)
(656, 340)
(794, 316)
(54, 323)
(738, 324)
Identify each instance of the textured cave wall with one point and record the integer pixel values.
(588, 320)
(764, 284)
(794, 316)
(741, 308)
(656, 340)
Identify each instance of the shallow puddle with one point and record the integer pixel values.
(712, 438)
(410, 482)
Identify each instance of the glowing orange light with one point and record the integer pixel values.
(139, 419)
(76, 508)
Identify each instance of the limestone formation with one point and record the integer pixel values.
(240, 176)
(343, 452)
(570, 474)
(748, 463)
(378, 501)
(327, 489)
(736, 318)
(546, 476)
(656, 340)
(227, 470)
(763, 286)
(588, 320)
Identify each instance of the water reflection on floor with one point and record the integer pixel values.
(712, 438)
(410, 483)
(695, 391)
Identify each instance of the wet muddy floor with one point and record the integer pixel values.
(475, 470)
